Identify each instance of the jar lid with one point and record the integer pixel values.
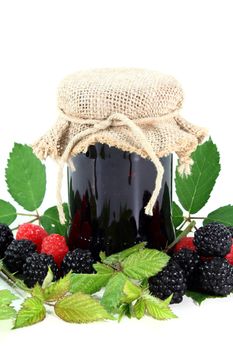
(136, 110)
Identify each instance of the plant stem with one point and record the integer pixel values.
(12, 280)
(183, 234)
(25, 214)
(197, 218)
(28, 222)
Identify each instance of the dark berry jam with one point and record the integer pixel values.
(107, 195)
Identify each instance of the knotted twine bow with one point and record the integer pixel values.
(114, 120)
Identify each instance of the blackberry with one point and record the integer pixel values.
(6, 237)
(36, 267)
(230, 228)
(188, 260)
(213, 240)
(17, 253)
(215, 277)
(171, 280)
(79, 261)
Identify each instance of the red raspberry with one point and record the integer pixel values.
(229, 256)
(186, 242)
(56, 246)
(33, 233)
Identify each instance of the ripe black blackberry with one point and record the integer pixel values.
(213, 240)
(79, 261)
(215, 277)
(6, 237)
(230, 228)
(188, 260)
(17, 253)
(171, 280)
(36, 267)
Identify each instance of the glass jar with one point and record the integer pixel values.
(108, 191)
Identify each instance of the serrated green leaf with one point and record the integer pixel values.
(38, 292)
(158, 309)
(119, 257)
(32, 311)
(58, 289)
(48, 279)
(7, 213)
(114, 291)
(124, 310)
(177, 215)
(102, 268)
(131, 292)
(198, 297)
(139, 308)
(6, 297)
(194, 191)
(51, 223)
(7, 312)
(80, 308)
(223, 215)
(25, 177)
(88, 283)
(144, 263)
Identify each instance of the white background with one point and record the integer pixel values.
(41, 42)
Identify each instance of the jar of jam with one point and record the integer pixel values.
(108, 191)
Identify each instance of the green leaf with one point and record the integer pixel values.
(25, 177)
(118, 257)
(131, 292)
(198, 297)
(144, 263)
(38, 292)
(80, 308)
(194, 191)
(58, 289)
(7, 312)
(6, 297)
(48, 279)
(124, 310)
(102, 268)
(32, 311)
(223, 215)
(158, 309)
(88, 283)
(139, 308)
(7, 212)
(51, 223)
(114, 291)
(177, 215)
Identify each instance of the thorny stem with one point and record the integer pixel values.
(25, 214)
(28, 222)
(183, 234)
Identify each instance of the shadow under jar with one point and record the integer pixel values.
(108, 191)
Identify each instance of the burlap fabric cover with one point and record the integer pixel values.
(135, 110)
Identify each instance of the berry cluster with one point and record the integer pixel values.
(202, 263)
(33, 252)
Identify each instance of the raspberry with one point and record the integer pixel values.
(56, 246)
(6, 237)
(17, 253)
(79, 261)
(213, 239)
(33, 233)
(189, 261)
(36, 267)
(216, 277)
(171, 280)
(229, 256)
(186, 242)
